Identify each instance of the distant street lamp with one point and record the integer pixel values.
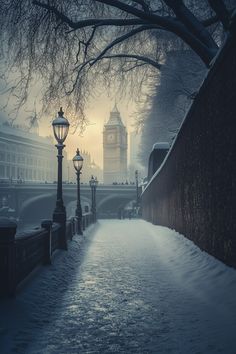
(68, 173)
(93, 184)
(137, 192)
(78, 164)
(60, 128)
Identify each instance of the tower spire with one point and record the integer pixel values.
(115, 118)
(115, 109)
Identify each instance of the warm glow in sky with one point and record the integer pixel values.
(98, 112)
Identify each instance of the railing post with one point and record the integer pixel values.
(71, 227)
(83, 222)
(47, 224)
(76, 225)
(7, 257)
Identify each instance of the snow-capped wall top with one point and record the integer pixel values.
(163, 145)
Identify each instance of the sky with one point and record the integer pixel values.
(98, 113)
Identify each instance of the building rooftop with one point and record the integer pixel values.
(24, 134)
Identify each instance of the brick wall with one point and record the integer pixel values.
(194, 192)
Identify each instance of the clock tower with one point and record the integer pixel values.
(114, 149)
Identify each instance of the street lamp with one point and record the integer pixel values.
(137, 193)
(60, 128)
(78, 164)
(93, 184)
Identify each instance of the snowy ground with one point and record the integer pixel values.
(130, 287)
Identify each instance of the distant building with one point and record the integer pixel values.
(134, 139)
(134, 145)
(25, 156)
(114, 149)
(34, 127)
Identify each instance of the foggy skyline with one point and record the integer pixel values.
(90, 140)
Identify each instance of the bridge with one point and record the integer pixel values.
(33, 202)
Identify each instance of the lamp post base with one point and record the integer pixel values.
(59, 216)
(79, 224)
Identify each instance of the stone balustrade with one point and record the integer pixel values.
(20, 255)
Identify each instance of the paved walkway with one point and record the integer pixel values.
(130, 287)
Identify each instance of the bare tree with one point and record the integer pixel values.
(71, 45)
(167, 103)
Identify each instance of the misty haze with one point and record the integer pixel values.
(117, 176)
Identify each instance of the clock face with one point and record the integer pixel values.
(110, 138)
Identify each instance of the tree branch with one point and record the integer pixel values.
(168, 23)
(191, 22)
(150, 17)
(93, 61)
(210, 21)
(143, 4)
(147, 60)
(173, 25)
(221, 11)
(136, 65)
(89, 41)
(122, 39)
(90, 21)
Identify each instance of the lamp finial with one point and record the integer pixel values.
(61, 113)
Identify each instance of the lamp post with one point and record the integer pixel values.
(60, 128)
(137, 193)
(78, 164)
(93, 184)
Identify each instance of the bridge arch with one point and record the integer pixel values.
(34, 202)
(109, 206)
(42, 206)
(71, 206)
(37, 208)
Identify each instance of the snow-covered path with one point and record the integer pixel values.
(130, 287)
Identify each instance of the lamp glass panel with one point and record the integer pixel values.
(78, 164)
(60, 132)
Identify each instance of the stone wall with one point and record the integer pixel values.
(194, 191)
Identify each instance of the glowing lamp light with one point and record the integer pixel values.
(92, 181)
(78, 161)
(60, 127)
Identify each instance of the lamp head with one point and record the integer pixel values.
(92, 181)
(60, 127)
(78, 161)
